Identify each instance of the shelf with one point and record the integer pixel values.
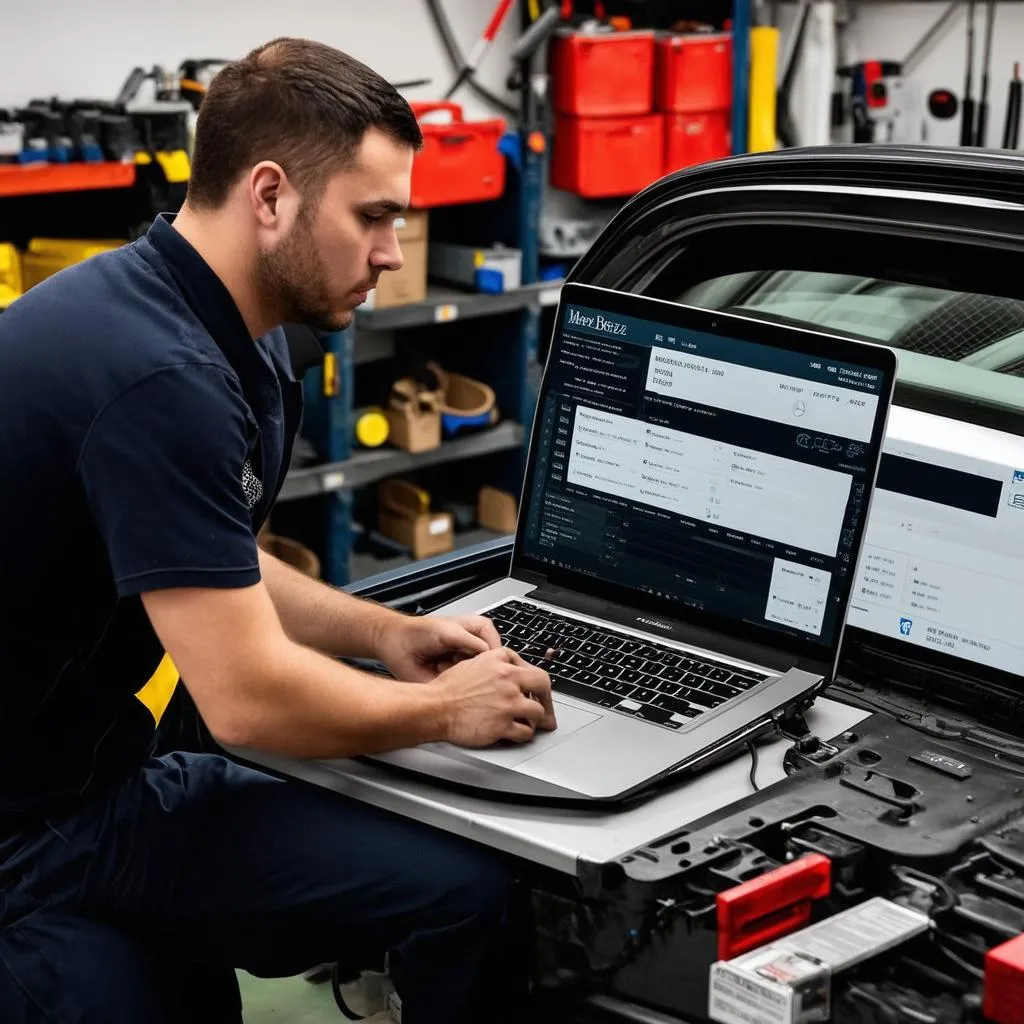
(370, 466)
(362, 566)
(443, 305)
(36, 179)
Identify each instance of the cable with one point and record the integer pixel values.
(753, 765)
(458, 61)
(975, 972)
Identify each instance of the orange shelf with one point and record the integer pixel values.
(33, 179)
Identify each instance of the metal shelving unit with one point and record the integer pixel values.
(443, 305)
(371, 466)
(505, 363)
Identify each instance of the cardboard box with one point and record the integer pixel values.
(402, 287)
(414, 416)
(497, 510)
(404, 516)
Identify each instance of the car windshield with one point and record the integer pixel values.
(947, 340)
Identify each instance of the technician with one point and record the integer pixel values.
(147, 413)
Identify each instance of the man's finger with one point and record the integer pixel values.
(481, 627)
(517, 732)
(537, 685)
(529, 710)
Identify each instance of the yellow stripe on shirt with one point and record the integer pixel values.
(157, 692)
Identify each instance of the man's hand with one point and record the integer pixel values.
(495, 696)
(419, 649)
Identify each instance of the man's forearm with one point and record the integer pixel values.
(319, 616)
(299, 703)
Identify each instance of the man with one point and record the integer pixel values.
(147, 412)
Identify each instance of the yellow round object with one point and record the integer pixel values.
(371, 429)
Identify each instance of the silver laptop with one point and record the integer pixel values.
(695, 498)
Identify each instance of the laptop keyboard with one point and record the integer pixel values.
(632, 676)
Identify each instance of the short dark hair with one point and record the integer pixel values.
(300, 103)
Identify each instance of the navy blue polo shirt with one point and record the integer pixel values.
(143, 438)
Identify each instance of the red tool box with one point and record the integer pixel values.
(460, 161)
(603, 74)
(607, 156)
(696, 138)
(693, 73)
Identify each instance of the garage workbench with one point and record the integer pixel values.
(553, 837)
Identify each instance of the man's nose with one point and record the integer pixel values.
(389, 255)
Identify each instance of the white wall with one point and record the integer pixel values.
(888, 30)
(87, 47)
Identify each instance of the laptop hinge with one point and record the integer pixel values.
(535, 579)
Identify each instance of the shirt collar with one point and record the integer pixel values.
(205, 293)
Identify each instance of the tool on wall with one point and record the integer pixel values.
(455, 56)
(876, 101)
(1011, 129)
(981, 118)
(967, 106)
(480, 47)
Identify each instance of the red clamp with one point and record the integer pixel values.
(776, 903)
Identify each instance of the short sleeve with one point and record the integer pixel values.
(164, 469)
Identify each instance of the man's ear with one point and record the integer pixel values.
(266, 183)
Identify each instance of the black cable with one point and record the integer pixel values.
(975, 972)
(753, 765)
(451, 46)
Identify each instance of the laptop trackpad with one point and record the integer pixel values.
(570, 719)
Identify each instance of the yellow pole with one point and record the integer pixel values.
(764, 60)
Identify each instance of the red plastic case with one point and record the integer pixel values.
(696, 139)
(603, 75)
(460, 161)
(693, 73)
(606, 156)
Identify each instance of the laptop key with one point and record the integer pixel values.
(648, 652)
(671, 689)
(589, 647)
(652, 668)
(643, 694)
(623, 689)
(653, 714)
(723, 690)
(608, 671)
(673, 675)
(680, 707)
(744, 682)
(523, 632)
(718, 675)
(630, 675)
(591, 694)
(703, 698)
(570, 643)
(630, 646)
(632, 661)
(670, 659)
(588, 678)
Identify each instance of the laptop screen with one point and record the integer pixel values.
(726, 476)
(943, 560)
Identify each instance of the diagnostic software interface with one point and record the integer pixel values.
(943, 559)
(721, 474)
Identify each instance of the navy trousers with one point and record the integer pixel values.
(137, 908)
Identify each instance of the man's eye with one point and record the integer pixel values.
(372, 218)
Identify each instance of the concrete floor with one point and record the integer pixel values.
(287, 1001)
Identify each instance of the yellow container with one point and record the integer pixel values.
(45, 256)
(10, 274)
